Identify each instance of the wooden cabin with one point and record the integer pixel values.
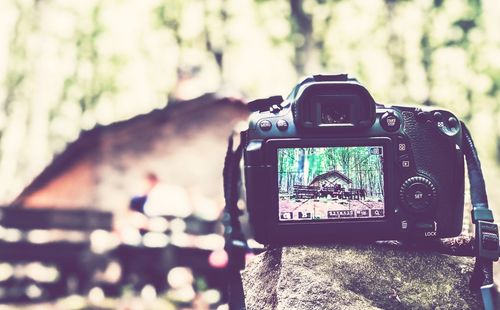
(183, 144)
(330, 179)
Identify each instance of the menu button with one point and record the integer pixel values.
(265, 125)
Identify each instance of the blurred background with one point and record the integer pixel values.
(106, 103)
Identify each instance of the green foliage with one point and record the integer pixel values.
(65, 66)
(302, 166)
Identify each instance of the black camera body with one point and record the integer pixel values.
(328, 163)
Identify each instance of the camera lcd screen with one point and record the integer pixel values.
(331, 183)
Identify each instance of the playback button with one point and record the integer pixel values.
(404, 162)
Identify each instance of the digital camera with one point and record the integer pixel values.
(328, 163)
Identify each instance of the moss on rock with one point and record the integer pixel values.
(358, 277)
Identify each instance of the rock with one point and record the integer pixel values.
(374, 276)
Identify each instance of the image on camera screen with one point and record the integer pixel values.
(331, 183)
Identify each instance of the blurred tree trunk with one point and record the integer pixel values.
(215, 38)
(14, 118)
(303, 42)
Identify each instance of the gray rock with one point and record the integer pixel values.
(358, 277)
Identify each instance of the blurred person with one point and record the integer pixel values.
(135, 219)
(161, 199)
(166, 200)
(157, 199)
(137, 202)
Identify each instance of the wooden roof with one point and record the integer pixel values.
(333, 173)
(87, 140)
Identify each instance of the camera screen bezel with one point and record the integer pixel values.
(317, 230)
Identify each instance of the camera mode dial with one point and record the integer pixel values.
(418, 193)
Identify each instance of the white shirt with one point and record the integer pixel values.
(167, 199)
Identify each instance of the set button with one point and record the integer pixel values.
(418, 193)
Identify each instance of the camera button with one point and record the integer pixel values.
(437, 116)
(390, 122)
(282, 124)
(422, 116)
(452, 122)
(265, 125)
(402, 145)
(404, 161)
(450, 127)
(418, 193)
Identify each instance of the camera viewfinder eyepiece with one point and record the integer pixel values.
(332, 102)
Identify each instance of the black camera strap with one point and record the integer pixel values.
(236, 244)
(486, 244)
(486, 232)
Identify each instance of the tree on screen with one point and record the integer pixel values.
(299, 166)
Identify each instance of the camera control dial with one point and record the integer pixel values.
(418, 193)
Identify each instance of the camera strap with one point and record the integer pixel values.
(486, 243)
(236, 244)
